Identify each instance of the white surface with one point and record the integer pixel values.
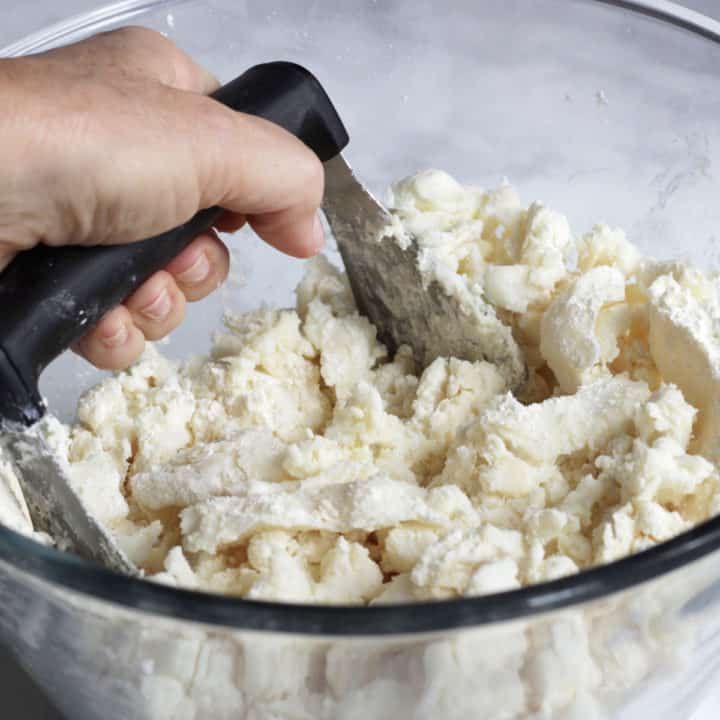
(21, 701)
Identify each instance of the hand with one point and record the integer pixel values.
(113, 140)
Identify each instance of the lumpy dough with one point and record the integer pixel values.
(299, 461)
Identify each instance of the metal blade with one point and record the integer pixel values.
(406, 304)
(54, 506)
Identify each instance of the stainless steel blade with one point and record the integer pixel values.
(406, 305)
(54, 506)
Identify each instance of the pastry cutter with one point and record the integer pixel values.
(50, 297)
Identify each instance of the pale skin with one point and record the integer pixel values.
(113, 140)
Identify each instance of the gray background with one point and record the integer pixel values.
(21, 700)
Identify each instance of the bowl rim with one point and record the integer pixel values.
(69, 572)
(664, 10)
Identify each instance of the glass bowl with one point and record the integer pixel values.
(605, 110)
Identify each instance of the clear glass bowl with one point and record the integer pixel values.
(607, 111)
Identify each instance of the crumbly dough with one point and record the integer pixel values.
(299, 462)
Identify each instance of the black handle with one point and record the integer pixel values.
(49, 297)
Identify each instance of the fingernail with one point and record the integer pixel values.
(159, 308)
(318, 232)
(118, 339)
(197, 272)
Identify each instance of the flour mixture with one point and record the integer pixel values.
(299, 462)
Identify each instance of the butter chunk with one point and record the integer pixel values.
(563, 425)
(210, 470)
(569, 341)
(537, 265)
(368, 505)
(606, 246)
(469, 562)
(685, 345)
(348, 347)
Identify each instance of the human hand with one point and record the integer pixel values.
(113, 140)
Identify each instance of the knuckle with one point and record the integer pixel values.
(141, 47)
(139, 35)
